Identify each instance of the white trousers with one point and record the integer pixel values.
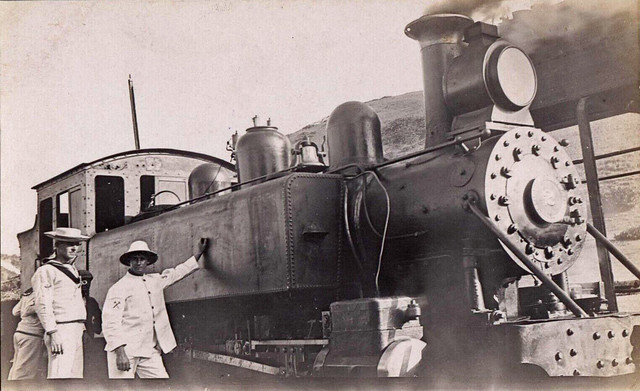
(28, 357)
(69, 364)
(145, 367)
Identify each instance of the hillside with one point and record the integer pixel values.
(10, 277)
(402, 120)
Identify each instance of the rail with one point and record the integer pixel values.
(610, 154)
(236, 362)
(616, 176)
(613, 250)
(456, 141)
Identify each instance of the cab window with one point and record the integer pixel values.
(109, 209)
(62, 209)
(45, 224)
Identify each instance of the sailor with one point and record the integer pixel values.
(93, 324)
(29, 351)
(135, 323)
(95, 366)
(59, 305)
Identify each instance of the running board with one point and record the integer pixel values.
(237, 362)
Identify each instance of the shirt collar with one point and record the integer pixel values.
(134, 274)
(68, 265)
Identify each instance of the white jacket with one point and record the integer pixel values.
(134, 308)
(57, 298)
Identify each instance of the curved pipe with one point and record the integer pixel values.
(153, 197)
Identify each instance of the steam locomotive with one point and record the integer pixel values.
(453, 258)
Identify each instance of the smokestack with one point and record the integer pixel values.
(441, 40)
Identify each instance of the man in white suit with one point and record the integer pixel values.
(135, 323)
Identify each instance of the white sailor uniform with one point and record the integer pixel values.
(60, 308)
(29, 350)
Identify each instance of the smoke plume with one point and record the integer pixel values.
(551, 28)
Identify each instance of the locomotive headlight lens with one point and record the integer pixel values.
(516, 76)
(510, 77)
(499, 74)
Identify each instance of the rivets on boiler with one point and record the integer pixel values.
(528, 249)
(506, 172)
(517, 152)
(548, 252)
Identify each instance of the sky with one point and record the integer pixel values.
(201, 70)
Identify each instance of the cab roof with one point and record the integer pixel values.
(136, 152)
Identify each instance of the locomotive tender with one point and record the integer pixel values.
(451, 258)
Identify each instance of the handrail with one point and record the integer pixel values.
(597, 235)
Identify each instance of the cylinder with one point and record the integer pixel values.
(353, 135)
(473, 285)
(262, 151)
(441, 40)
(207, 178)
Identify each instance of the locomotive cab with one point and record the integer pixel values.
(108, 193)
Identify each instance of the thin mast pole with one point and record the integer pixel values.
(134, 117)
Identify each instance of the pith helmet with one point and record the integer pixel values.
(138, 247)
(63, 234)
